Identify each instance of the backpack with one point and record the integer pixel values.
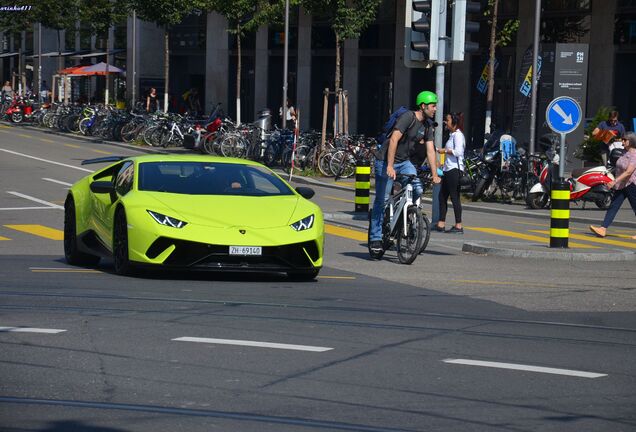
(390, 123)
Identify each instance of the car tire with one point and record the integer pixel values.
(71, 252)
(120, 244)
(303, 276)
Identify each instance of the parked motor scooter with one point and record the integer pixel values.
(20, 110)
(586, 184)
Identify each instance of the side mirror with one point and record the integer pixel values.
(305, 192)
(102, 187)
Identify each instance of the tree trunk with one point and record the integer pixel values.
(491, 67)
(337, 99)
(106, 75)
(166, 70)
(238, 74)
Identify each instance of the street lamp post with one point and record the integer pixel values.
(285, 65)
(535, 76)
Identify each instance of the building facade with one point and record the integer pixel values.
(203, 55)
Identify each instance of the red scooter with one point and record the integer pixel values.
(20, 110)
(586, 184)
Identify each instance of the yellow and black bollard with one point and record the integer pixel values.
(363, 184)
(560, 214)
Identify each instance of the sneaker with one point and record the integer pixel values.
(376, 246)
(455, 230)
(438, 228)
(599, 231)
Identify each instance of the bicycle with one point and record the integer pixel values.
(404, 224)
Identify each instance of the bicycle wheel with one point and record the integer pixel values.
(83, 126)
(427, 231)
(324, 163)
(409, 243)
(342, 164)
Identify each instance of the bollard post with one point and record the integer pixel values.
(560, 214)
(363, 185)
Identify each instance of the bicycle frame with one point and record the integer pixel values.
(398, 205)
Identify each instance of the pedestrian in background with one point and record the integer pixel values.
(453, 165)
(624, 185)
(152, 102)
(617, 130)
(7, 90)
(290, 114)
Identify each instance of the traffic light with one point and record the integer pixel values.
(421, 32)
(461, 26)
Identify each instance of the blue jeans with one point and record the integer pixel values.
(383, 185)
(628, 192)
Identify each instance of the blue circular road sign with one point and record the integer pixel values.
(563, 115)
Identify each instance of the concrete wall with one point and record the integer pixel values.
(216, 62)
(303, 73)
(601, 66)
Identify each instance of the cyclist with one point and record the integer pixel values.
(412, 129)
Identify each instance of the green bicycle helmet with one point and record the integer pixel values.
(426, 97)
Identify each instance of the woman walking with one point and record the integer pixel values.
(624, 185)
(454, 163)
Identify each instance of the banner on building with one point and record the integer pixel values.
(526, 84)
(482, 83)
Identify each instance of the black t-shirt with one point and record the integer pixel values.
(418, 152)
(413, 131)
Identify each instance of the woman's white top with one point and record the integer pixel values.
(457, 143)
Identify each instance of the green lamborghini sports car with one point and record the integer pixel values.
(192, 212)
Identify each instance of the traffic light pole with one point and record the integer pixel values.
(440, 69)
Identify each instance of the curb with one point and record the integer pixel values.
(482, 249)
(482, 209)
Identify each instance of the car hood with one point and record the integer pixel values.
(227, 211)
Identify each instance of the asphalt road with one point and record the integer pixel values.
(453, 342)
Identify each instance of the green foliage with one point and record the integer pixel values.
(100, 15)
(245, 16)
(165, 13)
(506, 33)
(590, 149)
(349, 18)
(54, 14)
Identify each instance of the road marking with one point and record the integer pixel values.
(4, 238)
(30, 330)
(604, 241)
(337, 277)
(37, 200)
(46, 140)
(39, 230)
(527, 368)
(24, 135)
(346, 233)
(102, 152)
(72, 146)
(45, 160)
(56, 181)
(543, 240)
(349, 185)
(487, 282)
(61, 270)
(337, 199)
(28, 208)
(253, 344)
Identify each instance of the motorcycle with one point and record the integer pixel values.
(20, 110)
(586, 184)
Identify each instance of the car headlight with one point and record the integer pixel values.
(166, 220)
(303, 224)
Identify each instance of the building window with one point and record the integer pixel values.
(571, 29)
(625, 30)
(565, 5)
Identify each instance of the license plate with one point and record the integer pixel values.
(246, 250)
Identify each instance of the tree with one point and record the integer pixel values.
(245, 16)
(349, 18)
(54, 14)
(501, 37)
(100, 16)
(165, 13)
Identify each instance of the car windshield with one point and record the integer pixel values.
(210, 178)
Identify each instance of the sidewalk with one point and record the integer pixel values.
(527, 249)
